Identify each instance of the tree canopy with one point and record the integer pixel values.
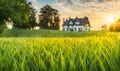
(32, 18)
(49, 18)
(115, 26)
(16, 11)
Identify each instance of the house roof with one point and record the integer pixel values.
(81, 20)
(66, 23)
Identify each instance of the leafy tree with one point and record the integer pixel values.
(2, 27)
(49, 18)
(6, 12)
(32, 18)
(115, 26)
(87, 20)
(16, 11)
(56, 22)
(22, 17)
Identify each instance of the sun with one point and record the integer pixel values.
(111, 19)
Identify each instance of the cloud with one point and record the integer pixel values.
(80, 6)
(90, 6)
(84, 1)
(97, 10)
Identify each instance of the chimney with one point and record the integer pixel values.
(69, 18)
(76, 18)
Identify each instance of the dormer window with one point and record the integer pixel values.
(77, 22)
(71, 22)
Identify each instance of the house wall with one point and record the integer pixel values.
(70, 28)
(79, 28)
(71, 22)
(87, 28)
(76, 28)
(65, 28)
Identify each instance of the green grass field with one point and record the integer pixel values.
(86, 51)
(51, 33)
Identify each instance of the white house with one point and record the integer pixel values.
(77, 24)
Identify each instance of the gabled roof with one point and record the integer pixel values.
(65, 23)
(81, 20)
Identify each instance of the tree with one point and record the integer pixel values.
(87, 20)
(56, 22)
(6, 12)
(16, 11)
(104, 27)
(32, 18)
(115, 26)
(21, 19)
(49, 18)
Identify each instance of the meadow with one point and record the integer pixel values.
(51, 33)
(99, 51)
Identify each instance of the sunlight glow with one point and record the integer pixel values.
(111, 19)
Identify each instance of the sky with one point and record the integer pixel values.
(100, 12)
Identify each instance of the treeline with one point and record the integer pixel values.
(23, 15)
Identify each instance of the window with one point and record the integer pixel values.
(75, 29)
(71, 22)
(77, 22)
(80, 29)
(71, 29)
